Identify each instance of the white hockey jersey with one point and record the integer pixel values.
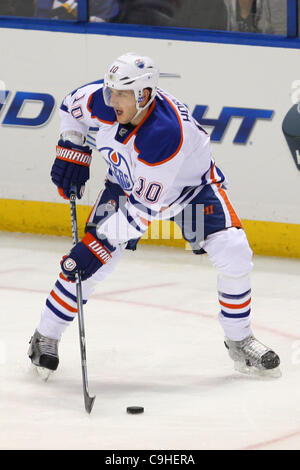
(161, 164)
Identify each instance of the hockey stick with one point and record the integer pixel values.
(169, 75)
(88, 401)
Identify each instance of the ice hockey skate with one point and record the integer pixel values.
(43, 352)
(252, 357)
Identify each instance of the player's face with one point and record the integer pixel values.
(123, 102)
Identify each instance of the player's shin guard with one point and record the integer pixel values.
(250, 356)
(231, 255)
(60, 308)
(235, 306)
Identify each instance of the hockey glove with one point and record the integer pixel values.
(71, 167)
(86, 256)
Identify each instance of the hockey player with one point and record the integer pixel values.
(159, 166)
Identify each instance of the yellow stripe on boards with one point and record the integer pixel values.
(273, 238)
(39, 217)
(265, 238)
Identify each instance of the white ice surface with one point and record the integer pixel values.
(153, 339)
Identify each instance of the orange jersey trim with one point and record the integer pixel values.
(140, 124)
(234, 218)
(212, 177)
(235, 221)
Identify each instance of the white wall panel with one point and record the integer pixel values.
(264, 180)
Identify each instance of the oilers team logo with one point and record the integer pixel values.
(140, 63)
(119, 167)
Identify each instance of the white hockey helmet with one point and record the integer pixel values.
(132, 72)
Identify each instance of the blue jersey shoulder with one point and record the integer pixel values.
(95, 105)
(99, 109)
(159, 138)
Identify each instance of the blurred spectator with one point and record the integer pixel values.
(7, 8)
(17, 7)
(148, 12)
(273, 18)
(103, 10)
(99, 10)
(202, 14)
(258, 16)
(244, 15)
(63, 10)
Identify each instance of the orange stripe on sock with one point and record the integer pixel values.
(235, 306)
(62, 303)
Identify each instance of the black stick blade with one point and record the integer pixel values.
(89, 402)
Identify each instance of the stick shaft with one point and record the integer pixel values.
(89, 401)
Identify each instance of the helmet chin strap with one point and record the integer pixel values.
(138, 113)
(139, 110)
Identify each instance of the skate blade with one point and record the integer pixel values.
(42, 372)
(256, 372)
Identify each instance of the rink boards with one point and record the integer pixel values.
(240, 94)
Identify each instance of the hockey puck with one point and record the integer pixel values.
(134, 410)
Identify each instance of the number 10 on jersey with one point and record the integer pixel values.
(151, 193)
